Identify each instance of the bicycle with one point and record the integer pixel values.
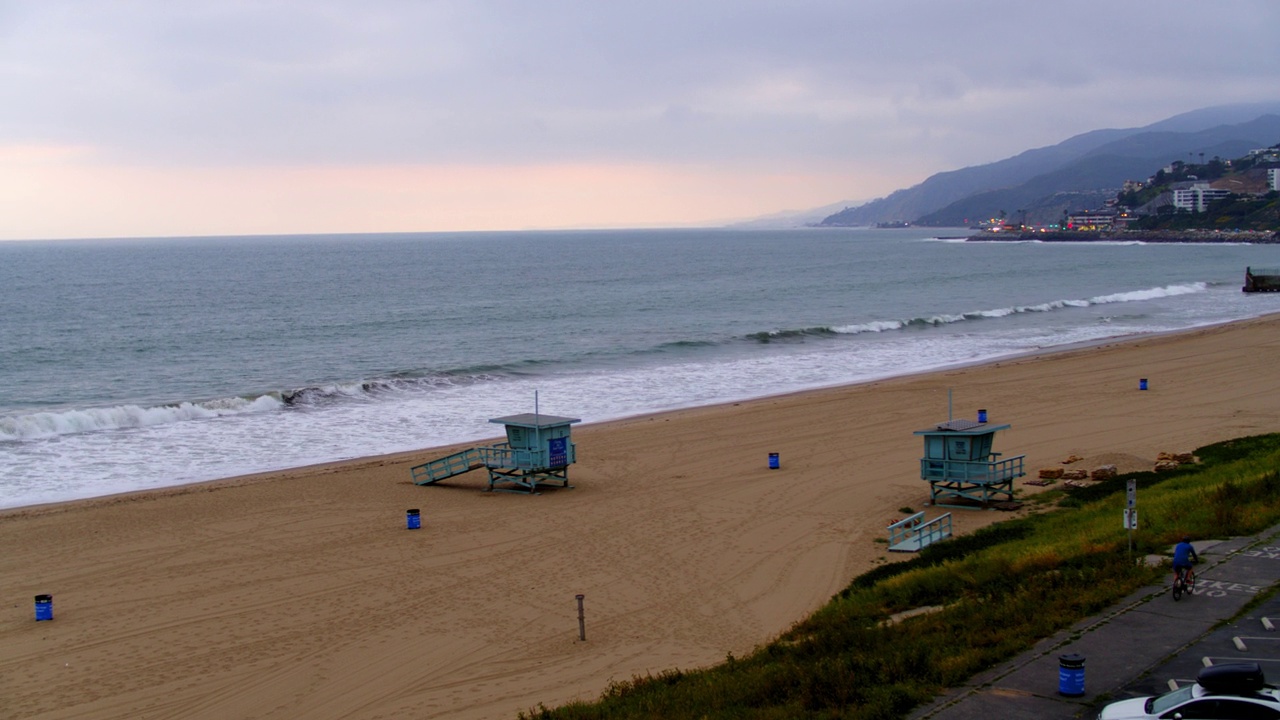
(1184, 581)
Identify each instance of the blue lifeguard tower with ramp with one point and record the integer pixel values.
(960, 467)
(538, 452)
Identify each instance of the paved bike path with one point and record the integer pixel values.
(1139, 644)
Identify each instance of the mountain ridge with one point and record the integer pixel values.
(956, 196)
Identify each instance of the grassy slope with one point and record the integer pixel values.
(997, 592)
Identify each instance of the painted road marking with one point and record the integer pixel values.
(1219, 588)
(1207, 660)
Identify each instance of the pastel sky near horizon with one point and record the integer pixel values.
(177, 118)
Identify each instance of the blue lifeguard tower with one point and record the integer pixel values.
(960, 467)
(538, 452)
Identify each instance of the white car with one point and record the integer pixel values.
(1233, 691)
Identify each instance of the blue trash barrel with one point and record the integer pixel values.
(982, 416)
(1142, 383)
(1071, 674)
(773, 461)
(413, 519)
(44, 607)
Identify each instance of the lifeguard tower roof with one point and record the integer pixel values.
(964, 427)
(535, 420)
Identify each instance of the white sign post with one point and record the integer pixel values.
(1131, 511)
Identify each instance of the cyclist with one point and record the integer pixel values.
(1184, 555)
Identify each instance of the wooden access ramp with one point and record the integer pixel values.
(537, 453)
(448, 466)
(912, 533)
(510, 470)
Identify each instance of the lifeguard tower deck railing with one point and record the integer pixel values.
(538, 451)
(959, 465)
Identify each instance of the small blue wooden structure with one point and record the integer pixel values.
(959, 465)
(538, 451)
(912, 532)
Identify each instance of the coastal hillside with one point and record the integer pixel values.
(1088, 162)
(1081, 184)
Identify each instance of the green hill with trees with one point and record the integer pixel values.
(1248, 209)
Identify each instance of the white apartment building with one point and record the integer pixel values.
(1197, 197)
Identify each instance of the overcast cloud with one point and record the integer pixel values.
(175, 117)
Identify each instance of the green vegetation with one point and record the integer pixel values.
(1237, 212)
(980, 599)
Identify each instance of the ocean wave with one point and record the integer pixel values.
(1149, 294)
(791, 335)
(685, 345)
(877, 326)
(45, 425)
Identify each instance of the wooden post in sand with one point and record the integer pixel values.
(582, 625)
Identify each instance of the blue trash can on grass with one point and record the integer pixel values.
(413, 520)
(44, 607)
(1071, 675)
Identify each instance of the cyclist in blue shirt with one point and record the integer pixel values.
(1184, 554)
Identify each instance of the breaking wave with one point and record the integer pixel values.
(784, 335)
(51, 424)
(46, 425)
(876, 326)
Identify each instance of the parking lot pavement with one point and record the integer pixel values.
(1140, 644)
(1251, 637)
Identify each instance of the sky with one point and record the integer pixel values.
(137, 118)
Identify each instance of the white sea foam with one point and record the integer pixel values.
(45, 425)
(614, 316)
(874, 327)
(1150, 294)
(948, 318)
(215, 445)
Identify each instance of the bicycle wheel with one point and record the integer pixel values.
(1177, 590)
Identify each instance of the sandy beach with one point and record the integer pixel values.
(301, 594)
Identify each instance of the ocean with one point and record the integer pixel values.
(131, 364)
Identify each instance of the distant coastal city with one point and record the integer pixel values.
(1207, 178)
(1216, 201)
